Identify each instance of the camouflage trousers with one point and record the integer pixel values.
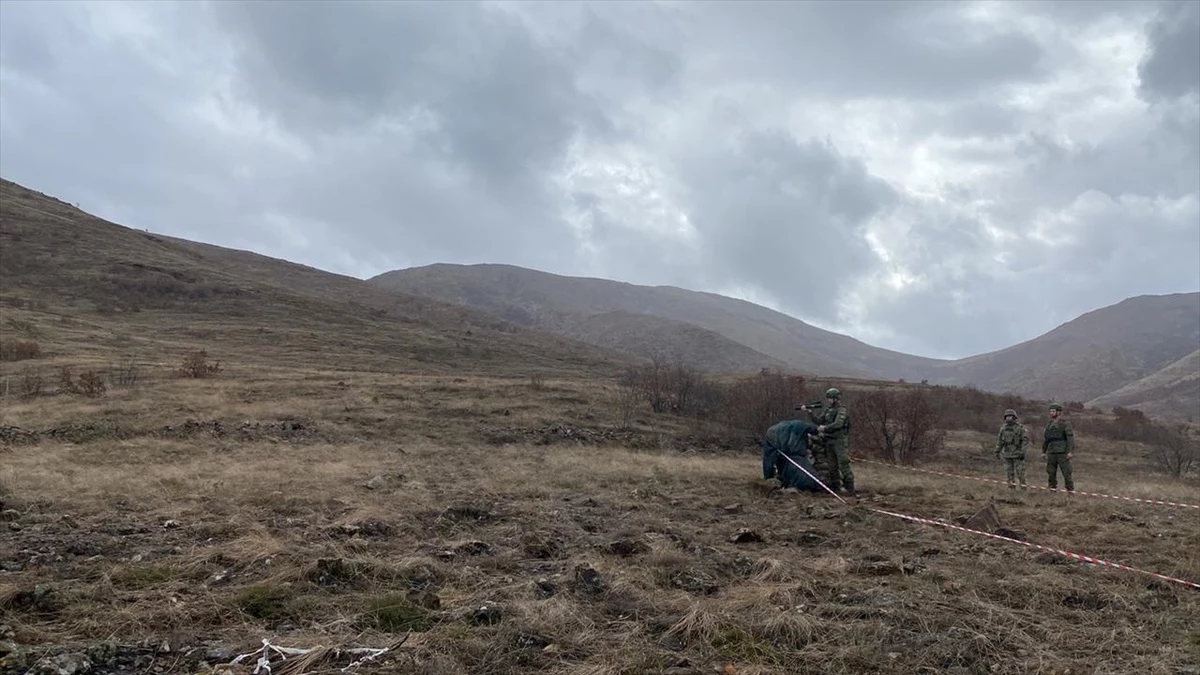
(1014, 468)
(832, 463)
(1055, 462)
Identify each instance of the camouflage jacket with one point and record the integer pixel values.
(836, 421)
(1011, 441)
(1059, 437)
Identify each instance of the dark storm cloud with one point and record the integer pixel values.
(874, 49)
(912, 172)
(1172, 64)
(785, 216)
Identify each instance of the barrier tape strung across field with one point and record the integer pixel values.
(1157, 502)
(938, 523)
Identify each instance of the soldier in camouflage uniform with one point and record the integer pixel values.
(832, 457)
(1057, 445)
(1010, 446)
(790, 438)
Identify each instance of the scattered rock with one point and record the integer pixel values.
(986, 519)
(531, 641)
(588, 579)
(732, 508)
(424, 598)
(475, 512)
(375, 483)
(70, 663)
(543, 548)
(671, 643)
(338, 571)
(544, 588)
(1011, 534)
(694, 581)
(487, 615)
(42, 600)
(171, 524)
(626, 547)
(473, 547)
(746, 536)
(874, 564)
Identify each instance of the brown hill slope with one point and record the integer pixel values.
(1092, 355)
(82, 286)
(1097, 353)
(652, 336)
(1170, 393)
(556, 303)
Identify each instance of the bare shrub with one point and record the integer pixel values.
(674, 387)
(196, 365)
(20, 350)
(537, 382)
(32, 382)
(897, 426)
(754, 403)
(91, 385)
(1173, 451)
(627, 397)
(66, 381)
(125, 374)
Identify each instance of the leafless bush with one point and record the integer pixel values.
(897, 426)
(1173, 451)
(755, 403)
(537, 382)
(196, 365)
(125, 374)
(91, 385)
(66, 381)
(673, 387)
(32, 382)
(20, 350)
(627, 397)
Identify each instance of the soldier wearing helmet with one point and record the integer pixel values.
(1057, 445)
(1010, 446)
(831, 456)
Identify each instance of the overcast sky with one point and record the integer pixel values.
(939, 178)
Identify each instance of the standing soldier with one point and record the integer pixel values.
(832, 456)
(1057, 445)
(1010, 446)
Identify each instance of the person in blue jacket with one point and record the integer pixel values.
(790, 438)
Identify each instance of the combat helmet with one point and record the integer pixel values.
(1011, 412)
(833, 392)
(1056, 406)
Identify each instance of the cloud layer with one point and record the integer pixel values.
(940, 178)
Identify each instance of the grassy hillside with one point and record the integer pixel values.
(651, 336)
(555, 302)
(67, 277)
(1170, 393)
(1090, 356)
(1095, 354)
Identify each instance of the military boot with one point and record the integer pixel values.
(850, 487)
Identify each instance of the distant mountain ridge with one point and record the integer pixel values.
(1081, 360)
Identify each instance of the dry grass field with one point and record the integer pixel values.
(374, 470)
(493, 525)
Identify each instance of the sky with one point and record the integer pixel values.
(939, 178)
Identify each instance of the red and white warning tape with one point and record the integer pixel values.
(1158, 502)
(938, 523)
